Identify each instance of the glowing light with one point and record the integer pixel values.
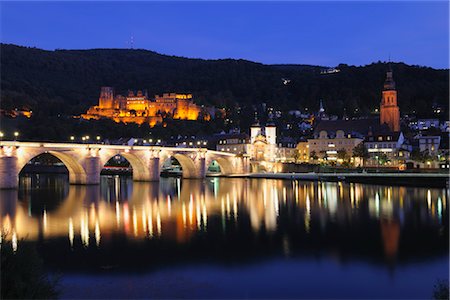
(198, 215)
(205, 216)
(14, 241)
(158, 223)
(169, 206)
(135, 228)
(439, 208)
(71, 232)
(183, 208)
(308, 214)
(191, 209)
(97, 233)
(44, 220)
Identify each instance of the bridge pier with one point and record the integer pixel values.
(9, 173)
(92, 168)
(154, 169)
(199, 171)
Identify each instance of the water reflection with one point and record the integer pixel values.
(355, 219)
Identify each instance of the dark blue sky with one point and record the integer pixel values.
(319, 33)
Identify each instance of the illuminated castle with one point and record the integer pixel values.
(139, 108)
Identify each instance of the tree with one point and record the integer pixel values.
(342, 154)
(383, 159)
(297, 156)
(360, 152)
(23, 275)
(422, 156)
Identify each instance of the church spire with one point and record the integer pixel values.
(389, 83)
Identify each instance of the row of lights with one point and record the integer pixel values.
(16, 134)
(192, 143)
(85, 138)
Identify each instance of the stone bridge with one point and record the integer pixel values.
(85, 161)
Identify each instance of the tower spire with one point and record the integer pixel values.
(389, 83)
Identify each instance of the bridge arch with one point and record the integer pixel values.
(77, 173)
(226, 166)
(188, 167)
(140, 169)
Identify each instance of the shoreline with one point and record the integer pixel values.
(440, 180)
(435, 180)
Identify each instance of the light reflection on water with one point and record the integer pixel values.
(225, 217)
(177, 209)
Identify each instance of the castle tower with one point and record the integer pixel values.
(255, 130)
(106, 99)
(389, 111)
(271, 133)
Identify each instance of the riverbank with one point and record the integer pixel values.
(440, 180)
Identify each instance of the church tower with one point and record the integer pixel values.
(389, 111)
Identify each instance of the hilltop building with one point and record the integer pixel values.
(139, 108)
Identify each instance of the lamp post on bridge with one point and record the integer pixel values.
(16, 135)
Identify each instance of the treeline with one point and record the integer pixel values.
(67, 82)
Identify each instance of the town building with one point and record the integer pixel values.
(428, 144)
(139, 108)
(326, 144)
(387, 149)
(286, 150)
(302, 152)
(424, 124)
(233, 142)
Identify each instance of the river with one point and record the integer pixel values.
(232, 237)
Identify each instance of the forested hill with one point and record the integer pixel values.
(68, 81)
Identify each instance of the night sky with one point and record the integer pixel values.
(320, 33)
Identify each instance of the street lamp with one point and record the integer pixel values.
(16, 134)
(72, 138)
(98, 138)
(1, 135)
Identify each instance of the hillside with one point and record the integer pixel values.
(68, 81)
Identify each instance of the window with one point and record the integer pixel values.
(380, 138)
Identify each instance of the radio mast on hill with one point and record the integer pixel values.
(130, 42)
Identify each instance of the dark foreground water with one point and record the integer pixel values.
(233, 238)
